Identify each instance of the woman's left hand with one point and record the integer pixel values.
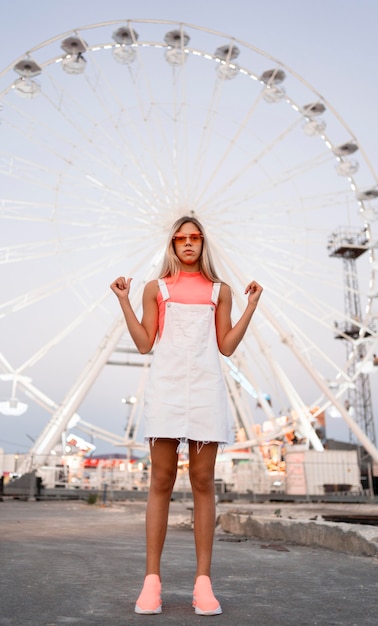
(254, 291)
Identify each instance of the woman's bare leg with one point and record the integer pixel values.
(201, 472)
(163, 476)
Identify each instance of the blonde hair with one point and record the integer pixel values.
(171, 264)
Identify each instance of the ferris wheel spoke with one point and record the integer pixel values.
(262, 188)
(309, 312)
(58, 284)
(226, 155)
(59, 337)
(148, 127)
(207, 130)
(87, 156)
(55, 247)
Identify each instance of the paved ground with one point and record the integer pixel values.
(73, 563)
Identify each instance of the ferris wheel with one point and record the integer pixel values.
(111, 131)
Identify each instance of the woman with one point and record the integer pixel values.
(189, 309)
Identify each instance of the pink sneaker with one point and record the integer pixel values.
(204, 601)
(149, 601)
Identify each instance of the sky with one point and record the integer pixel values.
(331, 44)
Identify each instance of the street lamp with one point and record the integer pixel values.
(129, 430)
(130, 400)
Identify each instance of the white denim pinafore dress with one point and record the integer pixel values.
(185, 394)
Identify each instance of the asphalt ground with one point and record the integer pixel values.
(74, 563)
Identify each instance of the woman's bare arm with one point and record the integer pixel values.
(143, 333)
(229, 336)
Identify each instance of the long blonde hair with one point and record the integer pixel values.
(171, 264)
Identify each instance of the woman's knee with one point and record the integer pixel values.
(201, 479)
(163, 479)
(202, 466)
(163, 464)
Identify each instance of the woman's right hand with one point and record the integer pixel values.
(121, 287)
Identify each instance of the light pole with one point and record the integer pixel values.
(129, 428)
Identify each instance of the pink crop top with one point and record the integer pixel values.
(188, 288)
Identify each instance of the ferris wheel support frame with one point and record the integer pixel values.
(297, 403)
(52, 433)
(55, 428)
(354, 427)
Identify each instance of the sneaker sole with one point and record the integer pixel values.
(216, 611)
(148, 611)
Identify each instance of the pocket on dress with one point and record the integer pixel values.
(191, 327)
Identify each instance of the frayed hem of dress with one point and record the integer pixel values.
(183, 443)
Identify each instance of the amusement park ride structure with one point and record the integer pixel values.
(128, 131)
(348, 245)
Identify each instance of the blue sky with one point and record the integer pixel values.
(332, 44)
